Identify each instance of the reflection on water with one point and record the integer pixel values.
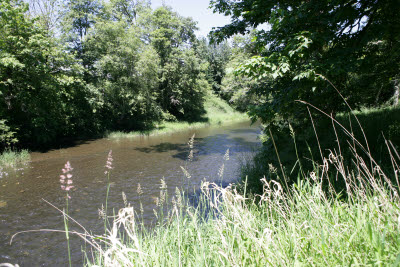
(144, 161)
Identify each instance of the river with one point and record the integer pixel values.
(142, 160)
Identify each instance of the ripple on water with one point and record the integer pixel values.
(141, 161)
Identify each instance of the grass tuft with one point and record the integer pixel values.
(11, 158)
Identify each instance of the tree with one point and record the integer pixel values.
(143, 66)
(125, 73)
(128, 9)
(47, 12)
(115, 65)
(182, 83)
(39, 83)
(217, 57)
(239, 89)
(78, 18)
(353, 43)
(184, 80)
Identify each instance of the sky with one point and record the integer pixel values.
(199, 11)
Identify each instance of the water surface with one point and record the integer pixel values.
(142, 160)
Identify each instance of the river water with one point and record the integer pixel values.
(142, 160)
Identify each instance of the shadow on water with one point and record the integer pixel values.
(143, 160)
(243, 131)
(74, 141)
(215, 144)
(63, 144)
(166, 147)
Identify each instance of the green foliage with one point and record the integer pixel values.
(182, 82)
(217, 57)
(126, 72)
(115, 65)
(12, 158)
(7, 137)
(169, 31)
(184, 85)
(77, 19)
(37, 78)
(147, 69)
(238, 89)
(354, 44)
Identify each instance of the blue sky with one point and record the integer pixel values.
(199, 11)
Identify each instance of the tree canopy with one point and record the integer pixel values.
(79, 68)
(352, 43)
(73, 69)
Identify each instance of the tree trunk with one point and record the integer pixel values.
(378, 96)
(396, 92)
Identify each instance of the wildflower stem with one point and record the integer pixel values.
(105, 211)
(66, 230)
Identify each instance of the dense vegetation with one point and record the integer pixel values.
(324, 189)
(76, 69)
(353, 44)
(298, 225)
(320, 75)
(311, 58)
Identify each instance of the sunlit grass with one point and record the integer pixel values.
(218, 112)
(10, 158)
(341, 211)
(302, 225)
(310, 222)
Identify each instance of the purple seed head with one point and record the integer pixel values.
(66, 178)
(109, 163)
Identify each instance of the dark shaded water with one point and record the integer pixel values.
(143, 160)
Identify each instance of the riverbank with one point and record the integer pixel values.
(302, 146)
(306, 223)
(217, 112)
(342, 210)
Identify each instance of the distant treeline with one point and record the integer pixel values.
(73, 69)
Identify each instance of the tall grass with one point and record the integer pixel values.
(308, 222)
(304, 225)
(302, 146)
(311, 221)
